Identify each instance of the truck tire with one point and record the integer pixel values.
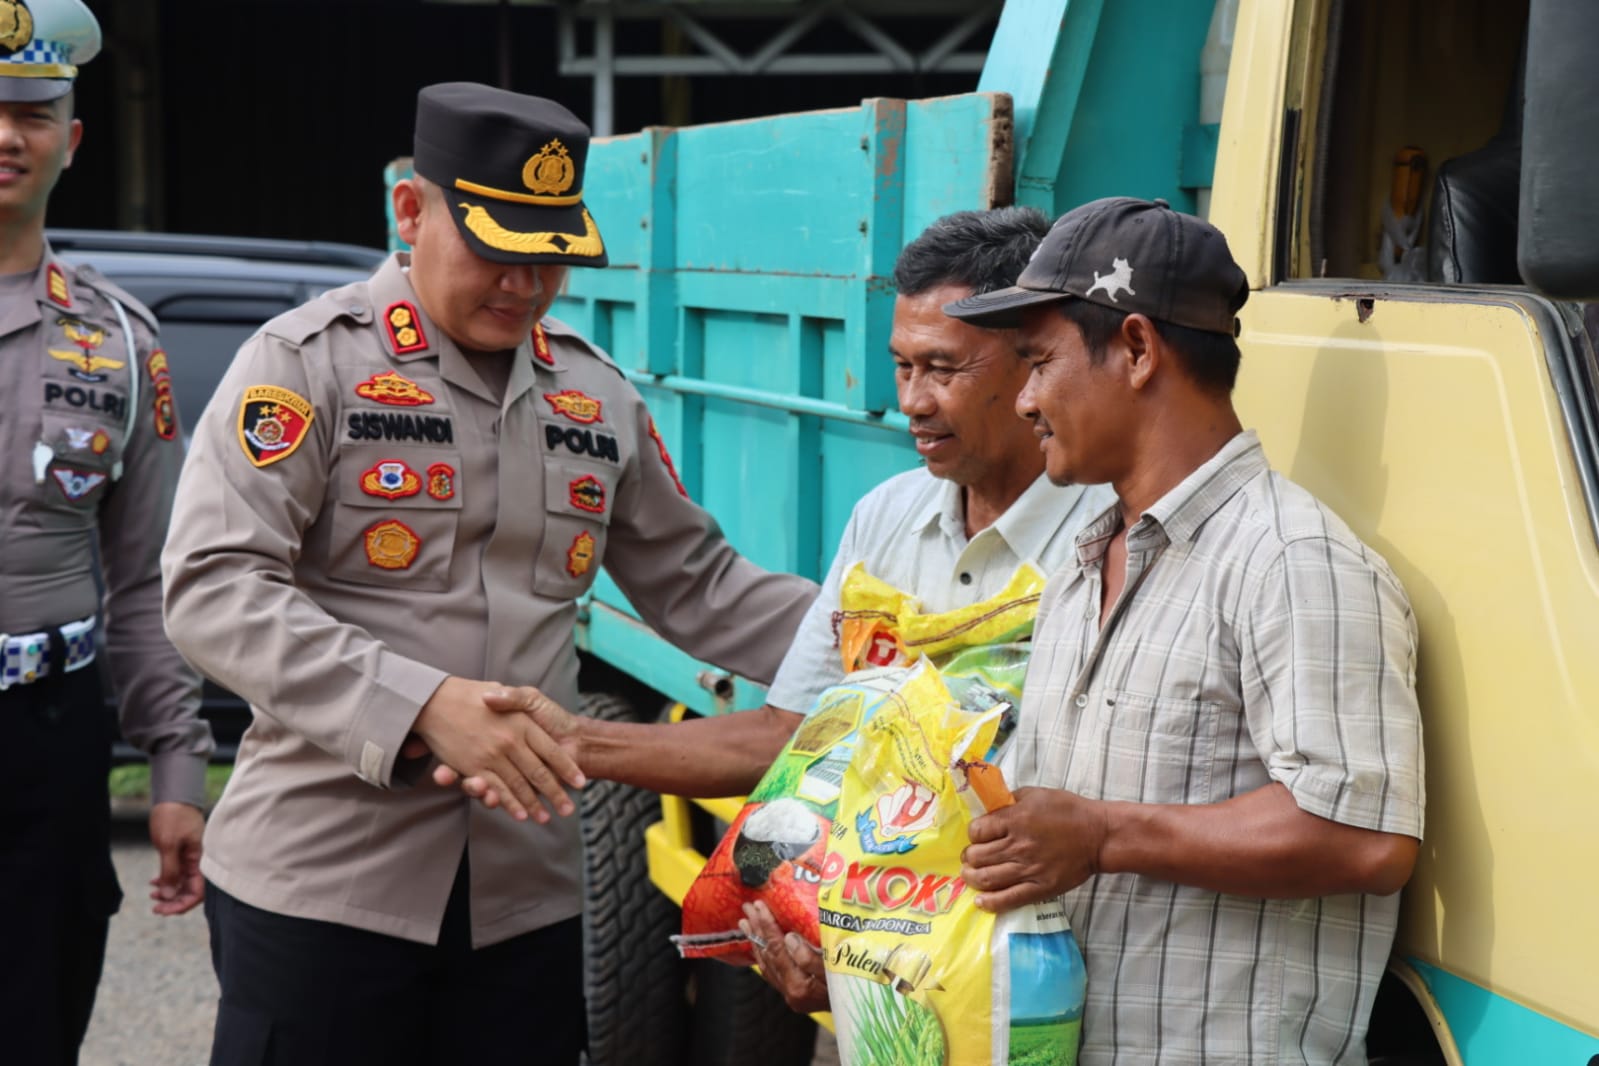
(740, 1019)
(634, 982)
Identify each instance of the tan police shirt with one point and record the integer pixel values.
(90, 434)
(360, 517)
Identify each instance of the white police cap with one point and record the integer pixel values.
(42, 44)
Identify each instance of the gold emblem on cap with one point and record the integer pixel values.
(16, 24)
(550, 171)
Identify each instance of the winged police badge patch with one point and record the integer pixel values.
(272, 423)
(578, 406)
(390, 388)
(391, 479)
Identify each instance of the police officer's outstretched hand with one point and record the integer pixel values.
(551, 717)
(175, 830)
(513, 755)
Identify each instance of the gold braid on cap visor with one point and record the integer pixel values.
(491, 233)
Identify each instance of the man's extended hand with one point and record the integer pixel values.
(788, 963)
(1046, 843)
(175, 830)
(559, 723)
(514, 757)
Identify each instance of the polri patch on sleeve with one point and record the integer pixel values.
(666, 457)
(57, 286)
(541, 345)
(578, 406)
(404, 327)
(273, 421)
(580, 556)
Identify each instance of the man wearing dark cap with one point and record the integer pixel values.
(90, 434)
(1220, 721)
(389, 510)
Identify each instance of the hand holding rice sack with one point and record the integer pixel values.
(773, 851)
(916, 973)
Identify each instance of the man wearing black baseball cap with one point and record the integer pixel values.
(390, 509)
(1220, 728)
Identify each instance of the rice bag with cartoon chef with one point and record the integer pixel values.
(915, 972)
(773, 850)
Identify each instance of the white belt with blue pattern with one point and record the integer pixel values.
(25, 659)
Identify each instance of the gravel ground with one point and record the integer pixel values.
(157, 998)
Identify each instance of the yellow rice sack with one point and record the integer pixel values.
(916, 973)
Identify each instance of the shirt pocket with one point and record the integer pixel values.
(85, 450)
(396, 514)
(1157, 749)
(578, 497)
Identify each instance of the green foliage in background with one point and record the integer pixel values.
(132, 782)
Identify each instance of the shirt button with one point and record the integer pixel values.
(966, 579)
(1082, 699)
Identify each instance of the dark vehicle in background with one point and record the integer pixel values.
(211, 294)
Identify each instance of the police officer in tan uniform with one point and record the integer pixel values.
(389, 510)
(90, 438)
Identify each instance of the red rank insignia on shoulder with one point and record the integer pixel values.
(578, 406)
(441, 481)
(156, 366)
(391, 388)
(56, 285)
(580, 556)
(587, 493)
(666, 457)
(404, 326)
(161, 410)
(272, 423)
(541, 345)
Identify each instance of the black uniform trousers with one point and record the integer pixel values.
(58, 888)
(311, 993)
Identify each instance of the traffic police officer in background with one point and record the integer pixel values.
(389, 510)
(92, 451)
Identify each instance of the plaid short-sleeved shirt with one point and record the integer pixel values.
(1257, 640)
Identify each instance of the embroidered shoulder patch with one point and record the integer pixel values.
(391, 545)
(391, 479)
(166, 420)
(441, 481)
(391, 388)
(587, 493)
(578, 406)
(272, 423)
(580, 556)
(57, 286)
(666, 457)
(404, 328)
(156, 366)
(541, 346)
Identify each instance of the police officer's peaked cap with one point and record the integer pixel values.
(42, 43)
(511, 169)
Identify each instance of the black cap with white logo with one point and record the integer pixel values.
(1128, 255)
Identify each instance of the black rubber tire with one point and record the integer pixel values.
(740, 1019)
(634, 981)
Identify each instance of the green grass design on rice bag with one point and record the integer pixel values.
(1051, 1043)
(894, 1030)
(782, 779)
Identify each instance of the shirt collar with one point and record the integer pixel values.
(1026, 526)
(1183, 510)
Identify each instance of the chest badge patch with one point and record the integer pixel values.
(580, 556)
(88, 440)
(83, 364)
(391, 479)
(391, 545)
(541, 346)
(272, 423)
(578, 406)
(390, 388)
(587, 493)
(76, 484)
(441, 481)
(404, 327)
(56, 285)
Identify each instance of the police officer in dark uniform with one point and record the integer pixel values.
(91, 453)
(389, 511)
